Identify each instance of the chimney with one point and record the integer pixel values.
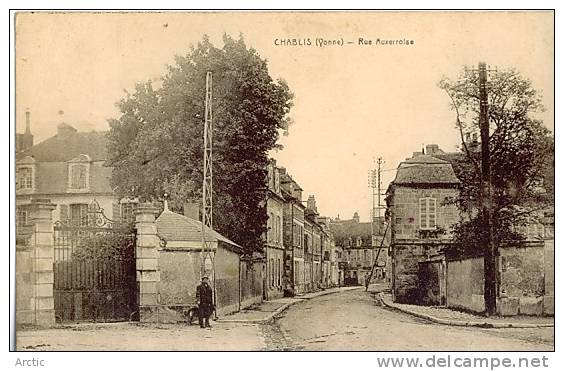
(64, 130)
(431, 149)
(356, 218)
(311, 203)
(192, 210)
(27, 121)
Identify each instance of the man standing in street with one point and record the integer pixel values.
(204, 295)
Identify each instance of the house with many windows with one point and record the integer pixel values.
(69, 170)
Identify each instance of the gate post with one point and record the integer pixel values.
(146, 261)
(42, 255)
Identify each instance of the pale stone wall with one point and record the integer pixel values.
(522, 279)
(34, 269)
(465, 284)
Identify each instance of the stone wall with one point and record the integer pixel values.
(522, 279)
(465, 284)
(24, 287)
(251, 282)
(227, 281)
(405, 259)
(34, 268)
(549, 277)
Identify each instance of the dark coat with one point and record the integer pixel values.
(204, 294)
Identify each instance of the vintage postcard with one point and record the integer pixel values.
(285, 181)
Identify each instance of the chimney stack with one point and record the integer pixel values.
(356, 218)
(311, 203)
(27, 121)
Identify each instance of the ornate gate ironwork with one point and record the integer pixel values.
(94, 268)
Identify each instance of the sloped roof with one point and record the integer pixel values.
(52, 178)
(425, 169)
(61, 148)
(176, 227)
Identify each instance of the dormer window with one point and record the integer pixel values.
(78, 176)
(25, 175)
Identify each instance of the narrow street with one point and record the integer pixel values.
(354, 320)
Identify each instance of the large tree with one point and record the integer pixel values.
(522, 158)
(156, 146)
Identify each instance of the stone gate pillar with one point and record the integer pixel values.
(146, 260)
(42, 254)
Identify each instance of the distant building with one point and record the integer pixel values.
(359, 244)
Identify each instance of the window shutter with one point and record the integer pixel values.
(423, 213)
(432, 212)
(64, 212)
(116, 212)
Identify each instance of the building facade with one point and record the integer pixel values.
(420, 217)
(69, 170)
(274, 247)
(360, 245)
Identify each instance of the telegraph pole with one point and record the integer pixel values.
(490, 249)
(207, 257)
(375, 182)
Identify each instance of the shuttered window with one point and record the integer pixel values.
(427, 213)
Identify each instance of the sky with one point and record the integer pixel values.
(353, 103)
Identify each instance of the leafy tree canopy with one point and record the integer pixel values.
(521, 150)
(156, 146)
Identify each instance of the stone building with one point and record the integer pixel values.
(420, 219)
(293, 235)
(68, 169)
(359, 243)
(274, 247)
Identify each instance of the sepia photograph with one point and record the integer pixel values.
(284, 181)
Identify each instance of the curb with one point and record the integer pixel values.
(268, 319)
(462, 323)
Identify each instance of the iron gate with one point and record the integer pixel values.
(94, 268)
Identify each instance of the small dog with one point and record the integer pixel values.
(191, 314)
(194, 314)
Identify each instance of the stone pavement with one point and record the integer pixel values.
(451, 317)
(268, 310)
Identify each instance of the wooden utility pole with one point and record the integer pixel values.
(490, 249)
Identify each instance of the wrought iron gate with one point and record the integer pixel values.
(94, 268)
